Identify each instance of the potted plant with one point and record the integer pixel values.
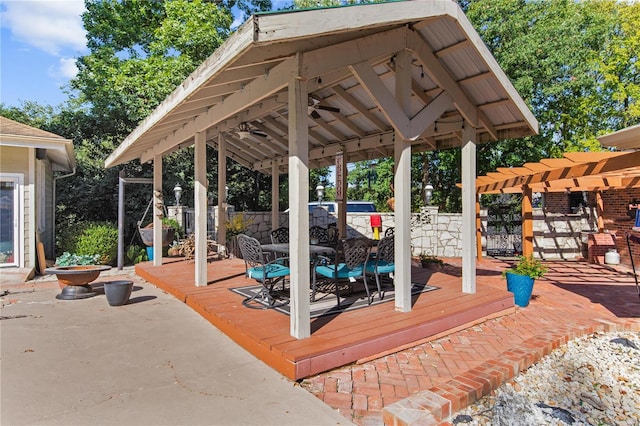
(170, 229)
(236, 225)
(430, 261)
(521, 276)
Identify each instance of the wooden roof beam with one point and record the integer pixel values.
(259, 89)
(409, 128)
(359, 107)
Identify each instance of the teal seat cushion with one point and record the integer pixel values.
(342, 271)
(383, 267)
(273, 270)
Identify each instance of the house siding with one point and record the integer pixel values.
(45, 209)
(19, 144)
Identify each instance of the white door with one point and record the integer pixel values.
(10, 219)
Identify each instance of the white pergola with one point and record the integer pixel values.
(290, 91)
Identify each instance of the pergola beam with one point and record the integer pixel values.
(595, 174)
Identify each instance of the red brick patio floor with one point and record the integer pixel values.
(427, 383)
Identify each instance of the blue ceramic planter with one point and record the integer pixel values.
(521, 286)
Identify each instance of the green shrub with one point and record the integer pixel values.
(67, 238)
(428, 258)
(93, 238)
(135, 254)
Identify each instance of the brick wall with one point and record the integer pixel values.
(556, 202)
(618, 222)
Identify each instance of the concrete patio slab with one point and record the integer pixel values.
(153, 361)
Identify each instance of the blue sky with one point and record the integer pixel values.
(39, 42)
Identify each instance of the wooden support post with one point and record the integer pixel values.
(600, 211)
(221, 236)
(341, 191)
(478, 229)
(200, 197)
(468, 209)
(158, 210)
(275, 196)
(402, 186)
(300, 320)
(527, 221)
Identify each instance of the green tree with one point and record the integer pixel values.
(616, 68)
(574, 63)
(310, 4)
(140, 50)
(547, 50)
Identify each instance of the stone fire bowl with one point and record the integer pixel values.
(78, 274)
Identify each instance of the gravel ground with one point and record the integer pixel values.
(593, 380)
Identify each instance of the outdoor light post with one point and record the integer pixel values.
(177, 190)
(320, 192)
(428, 193)
(371, 174)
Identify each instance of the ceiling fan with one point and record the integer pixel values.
(315, 105)
(245, 132)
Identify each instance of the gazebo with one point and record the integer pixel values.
(295, 90)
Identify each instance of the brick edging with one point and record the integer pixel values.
(438, 404)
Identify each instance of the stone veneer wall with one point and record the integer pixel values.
(562, 236)
(556, 235)
(431, 233)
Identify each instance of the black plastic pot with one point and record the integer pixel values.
(118, 292)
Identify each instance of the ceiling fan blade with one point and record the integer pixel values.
(258, 133)
(328, 108)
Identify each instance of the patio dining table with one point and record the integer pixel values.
(314, 249)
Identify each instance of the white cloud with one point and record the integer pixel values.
(65, 69)
(51, 26)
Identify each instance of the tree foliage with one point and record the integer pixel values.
(140, 50)
(574, 63)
